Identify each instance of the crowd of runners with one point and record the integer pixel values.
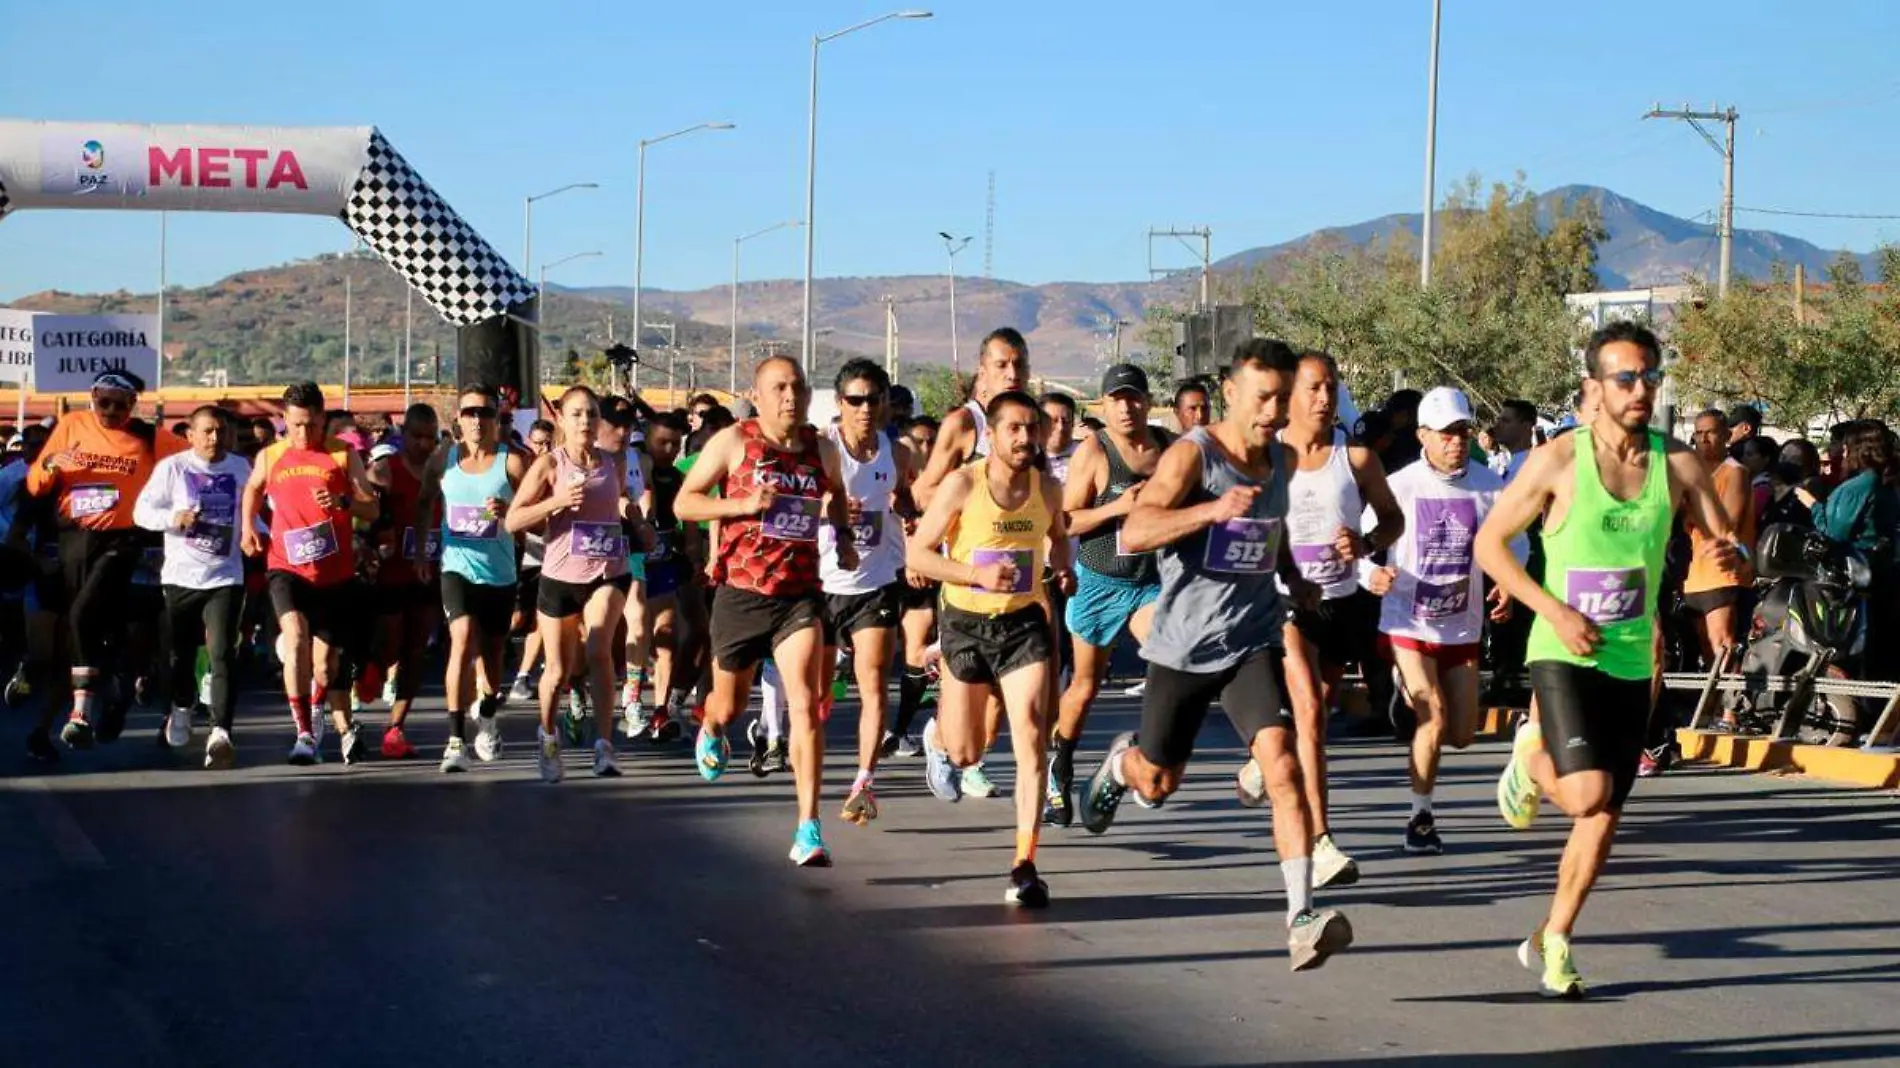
(658, 567)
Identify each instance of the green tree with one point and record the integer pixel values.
(938, 389)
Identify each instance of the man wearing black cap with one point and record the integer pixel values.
(1113, 589)
(1744, 422)
(95, 464)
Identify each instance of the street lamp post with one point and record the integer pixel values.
(527, 213)
(733, 385)
(541, 290)
(811, 161)
(953, 245)
(640, 224)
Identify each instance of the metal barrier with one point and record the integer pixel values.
(1718, 680)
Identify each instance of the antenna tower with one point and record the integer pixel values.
(989, 232)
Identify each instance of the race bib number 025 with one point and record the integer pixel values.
(791, 518)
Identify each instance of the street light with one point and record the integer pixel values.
(527, 212)
(541, 292)
(811, 159)
(640, 224)
(733, 385)
(953, 245)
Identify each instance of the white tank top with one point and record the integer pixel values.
(1438, 593)
(1318, 504)
(878, 535)
(982, 446)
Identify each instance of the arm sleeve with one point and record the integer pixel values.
(153, 508)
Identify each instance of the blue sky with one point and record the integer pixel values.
(1261, 119)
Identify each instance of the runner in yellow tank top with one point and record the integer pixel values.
(1606, 508)
(994, 519)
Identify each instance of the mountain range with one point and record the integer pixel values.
(297, 308)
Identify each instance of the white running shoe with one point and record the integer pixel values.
(976, 781)
(204, 690)
(1331, 866)
(219, 752)
(606, 762)
(1137, 689)
(548, 759)
(304, 753)
(522, 692)
(455, 757)
(636, 720)
(178, 728)
(352, 745)
(488, 738)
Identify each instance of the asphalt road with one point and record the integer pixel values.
(158, 914)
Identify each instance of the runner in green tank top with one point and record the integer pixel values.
(1607, 494)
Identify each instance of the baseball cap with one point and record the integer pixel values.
(1124, 376)
(382, 450)
(1444, 407)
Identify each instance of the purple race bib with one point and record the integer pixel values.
(790, 518)
(1441, 600)
(597, 541)
(1023, 559)
(1606, 594)
(214, 498)
(96, 499)
(210, 539)
(867, 530)
(1320, 564)
(1241, 546)
(471, 521)
(307, 545)
(430, 546)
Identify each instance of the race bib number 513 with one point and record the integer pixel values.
(1242, 546)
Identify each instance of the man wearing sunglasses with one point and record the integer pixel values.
(1607, 494)
(1432, 620)
(95, 464)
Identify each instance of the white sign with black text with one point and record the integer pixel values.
(16, 346)
(70, 350)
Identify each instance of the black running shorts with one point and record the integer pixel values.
(1592, 722)
(746, 626)
(919, 600)
(565, 600)
(1344, 629)
(331, 612)
(1175, 704)
(849, 613)
(980, 649)
(491, 607)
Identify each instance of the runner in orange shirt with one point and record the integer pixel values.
(95, 464)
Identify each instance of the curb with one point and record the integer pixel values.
(1853, 767)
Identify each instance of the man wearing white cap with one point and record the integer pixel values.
(1433, 615)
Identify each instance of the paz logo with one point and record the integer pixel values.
(93, 155)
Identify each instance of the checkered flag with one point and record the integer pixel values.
(417, 233)
(6, 203)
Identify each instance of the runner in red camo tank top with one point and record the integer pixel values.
(774, 554)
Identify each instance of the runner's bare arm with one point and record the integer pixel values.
(903, 502)
(1522, 503)
(1369, 473)
(923, 552)
(1695, 496)
(378, 473)
(956, 439)
(1157, 518)
(364, 503)
(517, 468)
(1088, 478)
(250, 503)
(696, 503)
(1059, 532)
(533, 502)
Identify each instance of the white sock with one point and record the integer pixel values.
(1421, 802)
(772, 702)
(1298, 873)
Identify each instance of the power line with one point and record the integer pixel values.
(1819, 214)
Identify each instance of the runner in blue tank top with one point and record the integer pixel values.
(476, 479)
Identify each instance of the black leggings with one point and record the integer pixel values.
(98, 566)
(207, 618)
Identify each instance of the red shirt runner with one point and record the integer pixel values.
(405, 540)
(775, 554)
(310, 542)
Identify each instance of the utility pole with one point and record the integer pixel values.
(1119, 325)
(989, 232)
(1726, 149)
(1207, 257)
(890, 336)
(1431, 158)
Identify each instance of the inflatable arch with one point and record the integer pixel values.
(351, 173)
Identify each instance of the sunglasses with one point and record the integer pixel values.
(859, 400)
(1628, 379)
(112, 404)
(478, 411)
